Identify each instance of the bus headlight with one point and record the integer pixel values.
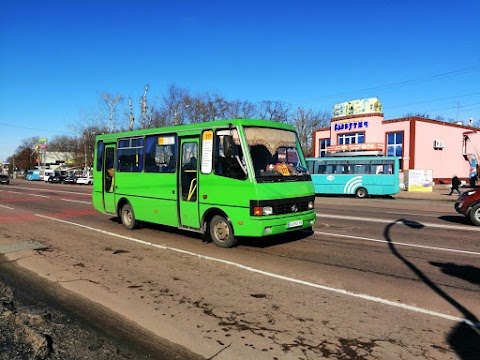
(262, 210)
(310, 205)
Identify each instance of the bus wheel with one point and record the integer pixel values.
(361, 193)
(221, 232)
(128, 217)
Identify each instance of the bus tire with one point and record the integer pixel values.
(221, 232)
(128, 217)
(361, 193)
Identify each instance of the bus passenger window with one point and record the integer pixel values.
(160, 153)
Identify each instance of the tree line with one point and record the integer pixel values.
(177, 106)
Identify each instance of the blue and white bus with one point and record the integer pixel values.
(356, 175)
(33, 175)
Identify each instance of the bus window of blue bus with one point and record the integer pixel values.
(356, 175)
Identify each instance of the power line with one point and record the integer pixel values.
(434, 100)
(29, 128)
(396, 84)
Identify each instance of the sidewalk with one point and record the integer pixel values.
(439, 193)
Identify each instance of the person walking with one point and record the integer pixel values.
(455, 185)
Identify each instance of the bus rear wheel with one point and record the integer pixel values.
(128, 217)
(221, 232)
(361, 193)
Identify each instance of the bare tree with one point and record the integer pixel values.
(160, 118)
(241, 110)
(131, 118)
(26, 155)
(274, 111)
(174, 102)
(194, 109)
(306, 121)
(112, 102)
(143, 106)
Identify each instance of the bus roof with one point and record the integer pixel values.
(199, 126)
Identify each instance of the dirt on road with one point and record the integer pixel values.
(41, 320)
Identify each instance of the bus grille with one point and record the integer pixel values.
(289, 208)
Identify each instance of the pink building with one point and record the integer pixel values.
(420, 143)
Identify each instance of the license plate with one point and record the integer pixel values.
(295, 223)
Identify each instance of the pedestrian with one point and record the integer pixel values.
(473, 179)
(455, 184)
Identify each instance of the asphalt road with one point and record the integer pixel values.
(380, 278)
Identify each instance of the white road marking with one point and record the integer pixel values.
(6, 207)
(416, 214)
(43, 196)
(387, 221)
(273, 275)
(398, 244)
(50, 190)
(77, 201)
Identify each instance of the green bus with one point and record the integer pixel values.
(224, 179)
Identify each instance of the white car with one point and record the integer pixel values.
(85, 180)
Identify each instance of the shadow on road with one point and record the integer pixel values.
(459, 219)
(465, 337)
(465, 272)
(263, 242)
(274, 240)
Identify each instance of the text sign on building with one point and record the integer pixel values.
(355, 147)
(351, 125)
(357, 107)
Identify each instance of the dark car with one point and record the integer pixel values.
(4, 179)
(70, 179)
(58, 177)
(468, 204)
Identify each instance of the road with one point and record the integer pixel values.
(378, 278)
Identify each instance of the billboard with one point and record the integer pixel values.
(357, 107)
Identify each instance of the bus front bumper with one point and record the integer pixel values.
(265, 226)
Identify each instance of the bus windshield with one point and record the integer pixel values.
(275, 155)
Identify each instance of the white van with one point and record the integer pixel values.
(47, 174)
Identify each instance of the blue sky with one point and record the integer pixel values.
(57, 56)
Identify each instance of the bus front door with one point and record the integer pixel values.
(109, 179)
(188, 184)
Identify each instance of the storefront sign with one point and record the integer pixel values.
(352, 125)
(355, 147)
(357, 107)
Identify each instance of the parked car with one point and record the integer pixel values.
(70, 179)
(85, 180)
(47, 174)
(58, 177)
(468, 204)
(4, 179)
